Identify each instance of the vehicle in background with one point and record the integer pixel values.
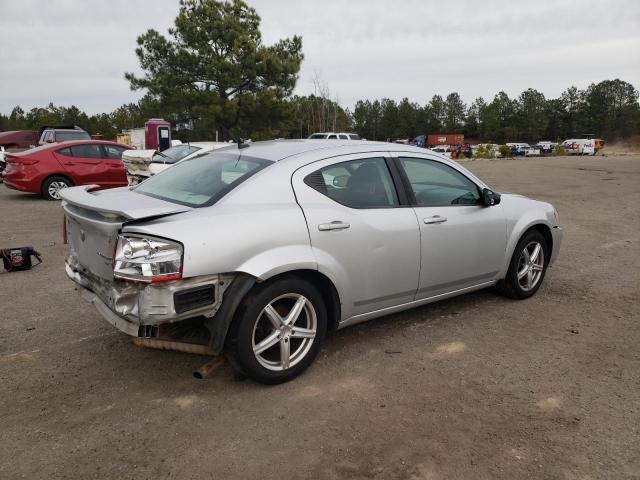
(50, 168)
(259, 253)
(599, 144)
(2, 162)
(579, 146)
(442, 150)
(142, 164)
(517, 149)
(334, 136)
(532, 151)
(17, 140)
(430, 141)
(546, 146)
(155, 135)
(59, 134)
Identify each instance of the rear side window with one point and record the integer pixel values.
(113, 152)
(86, 151)
(201, 181)
(364, 183)
(66, 152)
(354, 136)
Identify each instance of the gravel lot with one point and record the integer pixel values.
(475, 387)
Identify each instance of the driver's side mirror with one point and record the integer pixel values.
(490, 198)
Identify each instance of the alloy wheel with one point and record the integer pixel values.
(54, 189)
(284, 332)
(531, 266)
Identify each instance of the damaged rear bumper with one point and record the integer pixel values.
(138, 308)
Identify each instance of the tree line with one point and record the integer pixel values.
(213, 77)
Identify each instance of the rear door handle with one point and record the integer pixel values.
(335, 225)
(435, 219)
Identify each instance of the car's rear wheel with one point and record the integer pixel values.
(278, 331)
(528, 266)
(52, 186)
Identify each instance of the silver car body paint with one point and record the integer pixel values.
(386, 261)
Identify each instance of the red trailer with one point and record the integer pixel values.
(445, 139)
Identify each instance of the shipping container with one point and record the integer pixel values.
(445, 139)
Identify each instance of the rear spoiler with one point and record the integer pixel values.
(110, 208)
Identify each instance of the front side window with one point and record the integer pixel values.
(175, 154)
(86, 151)
(318, 136)
(364, 183)
(201, 181)
(435, 184)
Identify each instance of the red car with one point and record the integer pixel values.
(49, 168)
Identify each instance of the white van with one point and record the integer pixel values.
(580, 146)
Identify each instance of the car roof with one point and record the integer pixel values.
(278, 150)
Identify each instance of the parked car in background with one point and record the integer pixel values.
(335, 136)
(579, 146)
(267, 249)
(532, 151)
(546, 146)
(142, 164)
(518, 149)
(2, 162)
(16, 140)
(62, 134)
(50, 168)
(444, 150)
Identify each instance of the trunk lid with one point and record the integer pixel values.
(93, 220)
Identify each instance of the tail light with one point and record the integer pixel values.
(20, 161)
(148, 259)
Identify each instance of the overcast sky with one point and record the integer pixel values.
(76, 52)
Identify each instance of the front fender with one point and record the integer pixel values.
(517, 231)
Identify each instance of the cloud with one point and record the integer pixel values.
(76, 53)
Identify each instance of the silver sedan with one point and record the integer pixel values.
(265, 248)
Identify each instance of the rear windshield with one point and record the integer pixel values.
(203, 180)
(71, 135)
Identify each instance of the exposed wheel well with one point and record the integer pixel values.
(44, 180)
(545, 231)
(326, 288)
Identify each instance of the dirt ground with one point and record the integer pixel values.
(475, 387)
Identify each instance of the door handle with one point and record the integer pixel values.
(335, 225)
(435, 219)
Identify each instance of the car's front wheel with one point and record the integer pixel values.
(278, 330)
(528, 266)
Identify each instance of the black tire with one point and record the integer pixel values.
(48, 186)
(251, 326)
(513, 287)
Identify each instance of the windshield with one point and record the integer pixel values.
(203, 180)
(63, 136)
(175, 154)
